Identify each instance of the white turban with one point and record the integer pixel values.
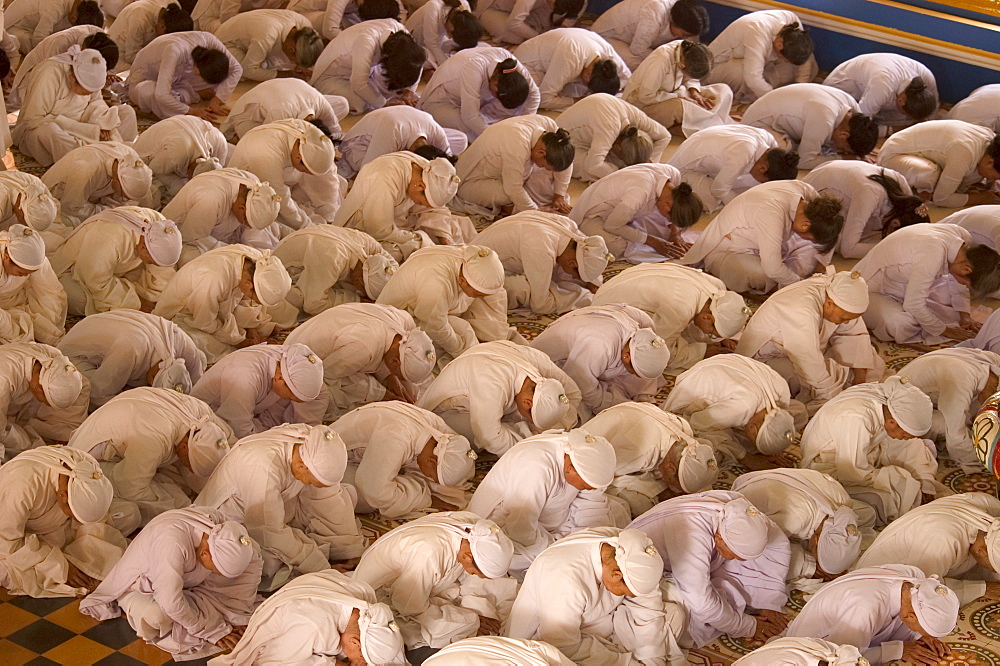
(744, 528)
(90, 492)
(302, 370)
(839, 541)
(440, 182)
(381, 641)
(482, 269)
(316, 150)
(376, 270)
(61, 381)
(993, 545)
(163, 241)
(935, 605)
(639, 561)
(592, 258)
(491, 548)
(173, 375)
(697, 469)
(910, 406)
(592, 456)
(231, 549)
(325, 454)
(416, 355)
(456, 459)
(26, 247)
(777, 432)
(548, 403)
(263, 204)
(730, 312)
(38, 205)
(204, 165)
(89, 68)
(271, 281)
(208, 444)
(848, 291)
(649, 353)
(135, 178)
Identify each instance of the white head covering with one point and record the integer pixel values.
(25, 247)
(205, 164)
(38, 205)
(592, 258)
(639, 561)
(377, 269)
(208, 444)
(482, 269)
(163, 241)
(649, 353)
(302, 370)
(839, 541)
(935, 605)
(90, 492)
(135, 178)
(325, 454)
(231, 549)
(491, 548)
(731, 313)
(416, 355)
(440, 182)
(456, 459)
(263, 204)
(381, 641)
(697, 469)
(799, 651)
(777, 432)
(592, 456)
(548, 403)
(848, 291)
(744, 528)
(910, 406)
(314, 146)
(89, 68)
(173, 374)
(271, 281)
(61, 381)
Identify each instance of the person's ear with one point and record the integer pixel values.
(778, 44)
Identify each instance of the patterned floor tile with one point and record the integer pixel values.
(79, 651)
(13, 654)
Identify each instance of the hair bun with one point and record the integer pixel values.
(792, 158)
(916, 85)
(683, 190)
(631, 131)
(562, 135)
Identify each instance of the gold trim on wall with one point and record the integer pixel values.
(991, 7)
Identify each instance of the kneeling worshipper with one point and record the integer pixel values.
(546, 487)
(401, 200)
(920, 281)
(83, 35)
(691, 310)
(657, 457)
(893, 89)
(636, 29)
(825, 526)
(285, 485)
(296, 159)
(803, 652)
(223, 207)
(516, 164)
(333, 265)
(24, 199)
(117, 258)
(139, 23)
(446, 576)
(979, 107)
(888, 612)
(956, 161)
(982, 223)
(157, 446)
(55, 536)
(770, 236)
(271, 42)
(63, 108)
(403, 460)
(958, 382)
(638, 209)
(263, 386)
(868, 438)
(369, 352)
(731, 400)
(725, 563)
(498, 393)
(124, 349)
(32, 301)
(179, 148)
(455, 294)
(956, 538)
(610, 351)
(224, 298)
(500, 651)
(322, 617)
(595, 595)
(186, 583)
(282, 99)
(43, 397)
(812, 333)
(549, 265)
(95, 177)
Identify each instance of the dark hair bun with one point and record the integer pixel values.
(683, 189)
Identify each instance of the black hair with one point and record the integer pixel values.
(696, 59)
(825, 221)
(4, 64)
(690, 16)
(559, 150)
(212, 64)
(188, 5)
(782, 164)
(402, 59)
(920, 102)
(862, 134)
(686, 208)
(985, 276)
(89, 12)
(429, 152)
(906, 208)
(604, 78)
(993, 150)
(466, 30)
(322, 127)
(100, 42)
(512, 86)
(370, 10)
(566, 9)
(175, 19)
(797, 45)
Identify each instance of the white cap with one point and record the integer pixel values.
(416, 355)
(440, 182)
(316, 150)
(744, 528)
(231, 548)
(89, 68)
(271, 281)
(491, 548)
(649, 353)
(839, 541)
(592, 258)
(848, 291)
(730, 312)
(482, 269)
(376, 269)
(697, 469)
(935, 605)
(302, 371)
(26, 247)
(163, 241)
(592, 456)
(639, 561)
(208, 444)
(548, 404)
(777, 432)
(135, 178)
(61, 382)
(910, 406)
(263, 205)
(456, 459)
(324, 454)
(174, 375)
(381, 640)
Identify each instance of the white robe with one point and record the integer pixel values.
(475, 393)
(23, 195)
(426, 24)
(31, 21)
(514, 21)
(392, 129)
(636, 28)
(32, 307)
(172, 146)
(134, 28)
(208, 15)
(876, 80)
(980, 107)
(281, 99)
(499, 651)
(255, 39)
(792, 652)
(53, 45)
